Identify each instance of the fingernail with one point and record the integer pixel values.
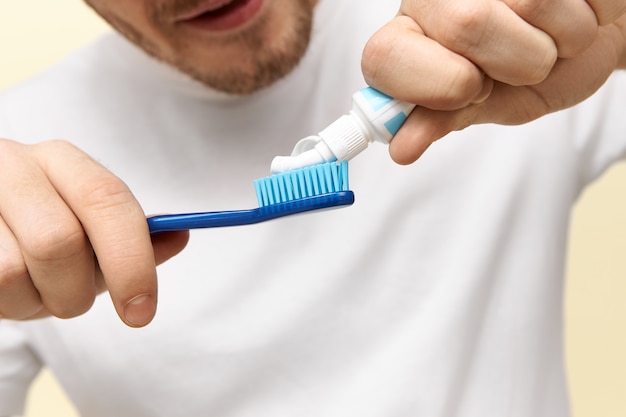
(140, 310)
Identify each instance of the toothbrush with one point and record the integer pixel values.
(317, 187)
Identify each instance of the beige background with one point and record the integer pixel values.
(36, 33)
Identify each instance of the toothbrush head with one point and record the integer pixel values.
(302, 183)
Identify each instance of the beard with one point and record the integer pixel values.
(241, 63)
(261, 65)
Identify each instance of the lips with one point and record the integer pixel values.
(221, 15)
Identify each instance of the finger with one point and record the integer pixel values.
(571, 24)
(490, 34)
(607, 11)
(55, 250)
(168, 244)
(115, 225)
(401, 61)
(19, 298)
(423, 127)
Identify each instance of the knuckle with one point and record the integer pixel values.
(56, 144)
(375, 54)
(466, 26)
(68, 309)
(52, 148)
(465, 84)
(8, 149)
(16, 302)
(458, 85)
(56, 242)
(530, 10)
(6, 145)
(12, 271)
(105, 192)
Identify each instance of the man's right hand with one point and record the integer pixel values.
(466, 62)
(70, 229)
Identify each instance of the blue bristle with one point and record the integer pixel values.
(301, 183)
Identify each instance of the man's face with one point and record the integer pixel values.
(235, 46)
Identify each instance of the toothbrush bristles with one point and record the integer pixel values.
(301, 183)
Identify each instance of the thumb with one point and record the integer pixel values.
(424, 126)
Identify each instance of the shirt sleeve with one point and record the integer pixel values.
(18, 367)
(598, 128)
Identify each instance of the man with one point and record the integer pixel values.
(438, 293)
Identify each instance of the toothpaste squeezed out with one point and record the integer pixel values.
(374, 117)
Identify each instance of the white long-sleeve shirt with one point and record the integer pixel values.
(439, 293)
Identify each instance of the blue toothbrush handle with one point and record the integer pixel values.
(187, 221)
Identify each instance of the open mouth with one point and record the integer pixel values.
(222, 15)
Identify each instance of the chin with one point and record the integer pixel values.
(245, 67)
